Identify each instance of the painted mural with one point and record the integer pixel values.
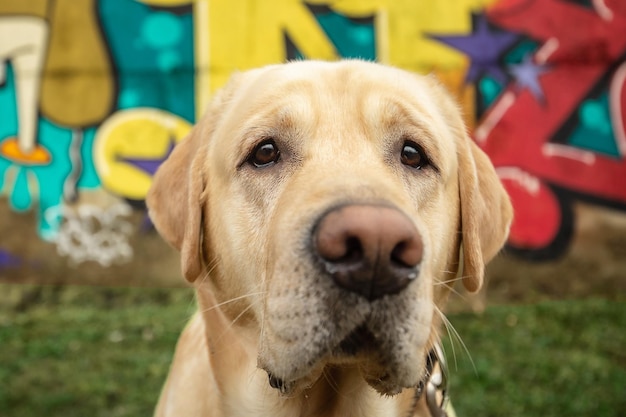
(94, 95)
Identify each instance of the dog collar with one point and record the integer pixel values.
(434, 385)
(435, 381)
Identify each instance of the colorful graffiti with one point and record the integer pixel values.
(66, 68)
(95, 94)
(556, 129)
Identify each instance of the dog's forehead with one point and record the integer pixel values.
(337, 79)
(309, 87)
(324, 99)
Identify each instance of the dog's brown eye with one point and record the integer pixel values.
(266, 153)
(412, 155)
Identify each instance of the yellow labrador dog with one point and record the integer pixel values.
(319, 209)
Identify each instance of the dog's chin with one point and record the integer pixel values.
(384, 382)
(389, 379)
(359, 350)
(391, 383)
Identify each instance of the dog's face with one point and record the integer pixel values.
(330, 201)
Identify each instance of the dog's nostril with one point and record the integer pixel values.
(396, 255)
(407, 253)
(338, 248)
(354, 250)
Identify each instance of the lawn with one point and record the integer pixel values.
(94, 351)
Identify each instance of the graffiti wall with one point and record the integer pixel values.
(94, 95)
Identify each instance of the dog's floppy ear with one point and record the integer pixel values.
(175, 201)
(486, 212)
(177, 197)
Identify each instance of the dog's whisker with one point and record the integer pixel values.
(442, 348)
(450, 336)
(331, 381)
(192, 307)
(244, 311)
(232, 323)
(449, 281)
(232, 300)
(452, 290)
(453, 332)
(447, 285)
(208, 269)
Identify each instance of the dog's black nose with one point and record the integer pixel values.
(370, 250)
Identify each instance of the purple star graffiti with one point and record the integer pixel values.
(484, 46)
(150, 165)
(527, 75)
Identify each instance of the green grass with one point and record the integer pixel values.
(89, 351)
(565, 358)
(92, 352)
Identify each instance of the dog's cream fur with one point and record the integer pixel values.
(244, 233)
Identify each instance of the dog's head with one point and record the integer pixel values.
(328, 202)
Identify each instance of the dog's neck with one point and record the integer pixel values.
(242, 389)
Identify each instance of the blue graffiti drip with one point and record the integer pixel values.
(21, 199)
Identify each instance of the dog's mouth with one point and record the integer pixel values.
(359, 347)
(360, 340)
